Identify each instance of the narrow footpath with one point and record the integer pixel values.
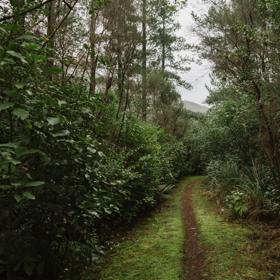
(194, 253)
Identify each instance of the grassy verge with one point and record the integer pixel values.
(154, 249)
(229, 251)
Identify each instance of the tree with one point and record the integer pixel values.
(165, 42)
(79, 153)
(144, 59)
(18, 7)
(236, 37)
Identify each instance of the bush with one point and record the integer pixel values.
(245, 191)
(68, 172)
(236, 201)
(223, 175)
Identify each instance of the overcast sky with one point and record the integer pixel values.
(198, 76)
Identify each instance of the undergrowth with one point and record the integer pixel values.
(154, 250)
(230, 253)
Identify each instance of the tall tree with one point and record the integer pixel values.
(144, 59)
(94, 17)
(51, 25)
(19, 17)
(165, 43)
(237, 38)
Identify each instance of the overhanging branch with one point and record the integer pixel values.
(26, 11)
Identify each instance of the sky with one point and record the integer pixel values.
(198, 76)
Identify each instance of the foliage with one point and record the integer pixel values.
(139, 260)
(70, 171)
(239, 38)
(236, 202)
(239, 137)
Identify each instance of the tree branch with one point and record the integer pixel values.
(60, 24)
(26, 11)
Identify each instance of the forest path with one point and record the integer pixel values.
(186, 238)
(216, 247)
(194, 262)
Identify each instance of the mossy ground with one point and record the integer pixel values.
(154, 250)
(230, 253)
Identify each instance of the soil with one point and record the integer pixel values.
(194, 262)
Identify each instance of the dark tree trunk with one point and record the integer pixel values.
(50, 31)
(19, 19)
(93, 61)
(268, 137)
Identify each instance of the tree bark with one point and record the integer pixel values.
(93, 62)
(120, 70)
(19, 17)
(50, 31)
(144, 59)
(265, 127)
(163, 42)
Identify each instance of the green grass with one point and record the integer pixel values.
(154, 250)
(230, 253)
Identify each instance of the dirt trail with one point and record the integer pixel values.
(194, 255)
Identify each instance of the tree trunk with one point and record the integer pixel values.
(50, 31)
(120, 71)
(18, 7)
(93, 62)
(270, 146)
(144, 59)
(163, 55)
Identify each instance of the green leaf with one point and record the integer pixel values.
(38, 58)
(62, 133)
(61, 102)
(27, 37)
(18, 198)
(53, 121)
(35, 184)
(5, 106)
(28, 195)
(94, 214)
(21, 113)
(9, 145)
(22, 152)
(55, 70)
(17, 55)
(30, 46)
(6, 187)
(91, 150)
(19, 86)
(7, 61)
(2, 30)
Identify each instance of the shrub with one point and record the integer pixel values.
(67, 170)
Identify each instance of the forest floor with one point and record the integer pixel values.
(203, 245)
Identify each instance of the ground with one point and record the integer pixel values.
(194, 264)
(188, 238)
(230, 253)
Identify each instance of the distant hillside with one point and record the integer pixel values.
(194, 107)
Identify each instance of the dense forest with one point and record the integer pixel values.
(94, 131)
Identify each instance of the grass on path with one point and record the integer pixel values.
(230, 253)
(154, 250)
